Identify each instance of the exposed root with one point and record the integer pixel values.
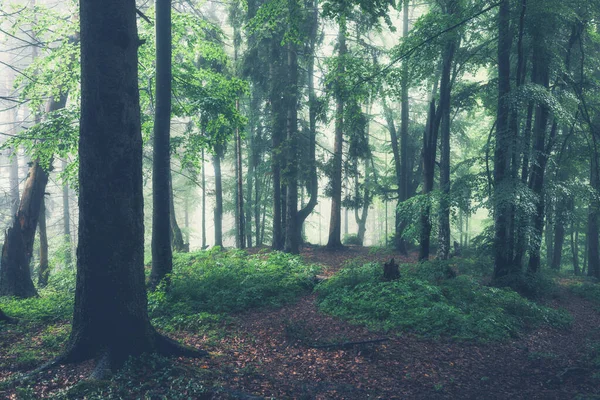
(6, 318)
(103, 368)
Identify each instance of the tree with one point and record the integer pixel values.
(110, 319)
(162, 255)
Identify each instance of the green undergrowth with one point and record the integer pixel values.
(207, 285)
(587, 290)
(433, 299)
(54, 303)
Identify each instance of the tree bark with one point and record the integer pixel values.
(66, 220)
(203, 227)
(335, 221)
(503, 257)
(110, 319)
(218, 211)
(313, 185)
(15, 275)
(177, 242)
(278, 127)
(445, 96)
(293, 230)
(593, 250)
(162, 254)
(44, 269)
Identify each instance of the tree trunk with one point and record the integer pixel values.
(278, 126)
(13, 179)
(44, 269)
(429, 151)
(593, 251)
(541, 76)
(313, 185)
(218, 212)
(293, 231)
(66, 220)
(176, 236)
(575, 248)
(335, 221)
(110, 319)
(203, 213)
(503, 257)
(15, 275)
(162, 254)
(445, 95)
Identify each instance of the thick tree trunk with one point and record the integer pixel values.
(218, 211)
(335, 221)
(44, 269)
(110, 319)
(162, 254)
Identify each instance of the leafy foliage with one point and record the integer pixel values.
(214, 282)
(428, 300)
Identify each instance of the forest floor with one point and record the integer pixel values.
(298, 352)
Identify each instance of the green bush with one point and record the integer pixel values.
(351, 239)
(428, 300)
(214, 282)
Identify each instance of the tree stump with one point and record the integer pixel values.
(391, 270)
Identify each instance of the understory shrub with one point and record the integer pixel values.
(432, 299)
(207, 284)
(587, 290)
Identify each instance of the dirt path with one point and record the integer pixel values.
(273, 355)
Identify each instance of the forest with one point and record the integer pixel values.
(300, 199)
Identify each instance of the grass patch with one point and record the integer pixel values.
(207, 285)
(429, 301)
(55, 301)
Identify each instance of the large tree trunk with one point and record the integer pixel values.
(15, 275)
(335, 221)
(44, 269)
(162, 254)
(503, 257)
(110, 319)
